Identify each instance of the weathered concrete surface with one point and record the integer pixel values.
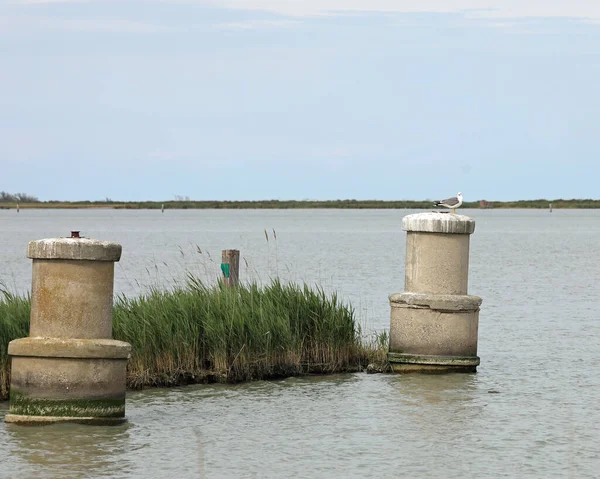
(438, 302)
(432, 360)
(434, 323)
(74, 249)
(69, 369)
(423, 331)
(68, 378)
(438, 223)
(72, 299)
(70, 348)
(437, 263)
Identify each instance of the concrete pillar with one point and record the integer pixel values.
(434, 322)
(70, 369)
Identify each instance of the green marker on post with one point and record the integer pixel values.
(225, 269)
(230, 265)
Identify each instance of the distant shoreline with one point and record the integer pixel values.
(275, 204)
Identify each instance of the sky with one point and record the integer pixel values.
(300, 99)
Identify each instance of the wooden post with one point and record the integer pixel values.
(230, 265)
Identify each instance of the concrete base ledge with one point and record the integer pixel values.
(402, 368)
(47, 420)
(437, 302)
(70, 348)
(410, 363)
(433, 360)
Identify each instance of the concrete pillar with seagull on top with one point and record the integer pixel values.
(434, 322)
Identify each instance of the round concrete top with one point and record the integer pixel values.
(433, 222)
(74, 249)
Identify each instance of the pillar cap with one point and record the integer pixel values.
(433, 222)
(74, 249)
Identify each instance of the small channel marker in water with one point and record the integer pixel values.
(69, 369)
(434, 322)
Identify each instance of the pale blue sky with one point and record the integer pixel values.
(290, 99)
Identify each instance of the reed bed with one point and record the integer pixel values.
(200, 333)
(14, 323)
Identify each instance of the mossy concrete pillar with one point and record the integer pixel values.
(434, 322)
(70, 369)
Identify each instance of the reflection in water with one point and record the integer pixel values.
(79, 451)
(434, 389)
(443, 408)
(457, 394)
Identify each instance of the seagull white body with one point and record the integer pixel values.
(452, 203)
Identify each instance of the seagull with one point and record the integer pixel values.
(451, 203)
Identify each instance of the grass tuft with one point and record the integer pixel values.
(14, 323)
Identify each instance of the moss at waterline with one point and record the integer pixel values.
(24, 405)
(202, 333)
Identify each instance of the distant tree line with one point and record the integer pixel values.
(6, 197)
(184, 202)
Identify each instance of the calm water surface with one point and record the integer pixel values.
(530, 411)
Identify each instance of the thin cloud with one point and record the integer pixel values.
(585, 9)
(43, 2)
(258, 24)
(21, 23)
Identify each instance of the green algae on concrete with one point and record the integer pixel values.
(406, 363)
(23, 405)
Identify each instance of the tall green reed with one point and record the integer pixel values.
(14, 323)
(201, 333)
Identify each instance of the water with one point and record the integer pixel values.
(530, 411)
